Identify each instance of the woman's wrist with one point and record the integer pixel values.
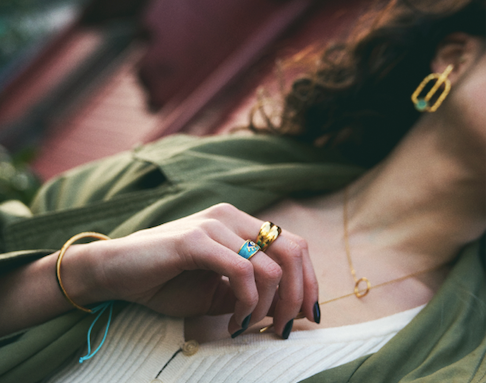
(31, 294)
(80, 273)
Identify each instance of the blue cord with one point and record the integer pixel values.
(101, 308)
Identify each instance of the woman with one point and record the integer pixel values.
(404, 226)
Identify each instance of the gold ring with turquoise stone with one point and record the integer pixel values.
(248, 249)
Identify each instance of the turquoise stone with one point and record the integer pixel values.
(249, 249)
(421, 105)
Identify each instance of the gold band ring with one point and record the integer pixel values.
(268, 233)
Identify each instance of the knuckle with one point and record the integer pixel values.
(196, 234)
(211, 225)
(295, 302)
(294, 252)
(243, 269)
(273, 272)
(302, 243)
(221, 209)
(294, 298)
(251, 300)
(186, 242)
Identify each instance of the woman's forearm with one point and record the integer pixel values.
(175, 269)
(30, 295)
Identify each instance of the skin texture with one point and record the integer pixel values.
(174, 269)
(414, 210)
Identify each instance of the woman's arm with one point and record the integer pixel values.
(175, 269)
(29, 295)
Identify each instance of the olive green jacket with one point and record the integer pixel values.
(181, 175)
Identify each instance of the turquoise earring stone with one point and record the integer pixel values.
(421, 105)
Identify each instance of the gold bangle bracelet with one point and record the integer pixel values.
(63, 250)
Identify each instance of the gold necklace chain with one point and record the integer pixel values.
(357, 292)
(361, 293)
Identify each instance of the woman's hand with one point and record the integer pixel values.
(191, 267)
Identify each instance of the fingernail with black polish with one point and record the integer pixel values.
(239, 332)
(246, 322)
(317, 313)
(244, 326)
(287, 329)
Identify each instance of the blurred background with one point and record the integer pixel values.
(24, 24)
(84, 79)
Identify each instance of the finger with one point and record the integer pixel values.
(289, 256)
(208, 254)
(268, 275)
(267, 272)
(300, 280)
(310, 305)
(299, 288)
(241, 223)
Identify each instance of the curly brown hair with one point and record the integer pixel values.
(358, 97)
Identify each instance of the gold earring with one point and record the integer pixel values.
(422, 104)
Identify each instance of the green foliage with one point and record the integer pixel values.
(10, 7)
(23, 23)
(16, 179)
(14, 6)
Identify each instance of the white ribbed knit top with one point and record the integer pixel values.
(141, 342)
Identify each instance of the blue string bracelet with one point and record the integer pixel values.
(100, 309)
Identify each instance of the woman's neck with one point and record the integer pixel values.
(427, 198)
